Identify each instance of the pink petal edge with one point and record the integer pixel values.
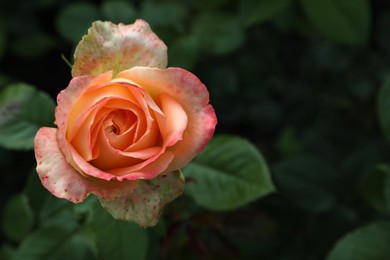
(63, 181)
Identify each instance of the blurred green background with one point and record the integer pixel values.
(298, 78)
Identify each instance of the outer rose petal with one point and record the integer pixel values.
(108, 46)
(61, 179)
(146, 203)
(186, 89)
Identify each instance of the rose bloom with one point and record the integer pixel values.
(118, 126)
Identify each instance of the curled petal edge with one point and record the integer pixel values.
(63, 181)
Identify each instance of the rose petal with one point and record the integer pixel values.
(63, 181)
(172, 124)
(108, 46)
(148, 169)
(174, 121)
(83, 136)
(146, 203)
(187, 90)
(66, 99)
(94, 95)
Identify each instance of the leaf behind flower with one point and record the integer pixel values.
(228, 174)
(23, 110)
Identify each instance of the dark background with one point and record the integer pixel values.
(306, 97)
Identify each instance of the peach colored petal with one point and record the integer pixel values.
(66, 99)
(145, 170)
(110, 157)
(174, 122)
(117, 91)
(182, 114)
(95, 131)
(135, 121)
(63, 181)
(193, 96)
(102, 78)
(81, 135)
(146, 103)
(87, 116)
(143, 154)
(87, 168)
(93, 95)
(108, 46)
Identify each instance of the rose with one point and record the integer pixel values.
(123, 119)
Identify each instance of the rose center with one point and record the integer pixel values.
(113, 129)
(120, 121)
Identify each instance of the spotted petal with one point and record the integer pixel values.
(145, 204)
(108, 46)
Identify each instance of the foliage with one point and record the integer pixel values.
(303, 81)
(227, 162)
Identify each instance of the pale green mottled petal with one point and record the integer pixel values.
(146, 203)
(108, 46)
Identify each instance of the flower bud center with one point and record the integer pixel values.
(113, 129)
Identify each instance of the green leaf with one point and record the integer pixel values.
(144, 205)
(23, 110)
(48, 209)
(366, 243)
(384, 107)
(377, 188)
(306, 181)
(18, 218)
(35, 192)
(343, 21)
(74, 20)
(257, 11)
(117, 239)
(83, 209)
(229, 173)
(55, 212)
(218, 33)
(118, 11)
(57, 242)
